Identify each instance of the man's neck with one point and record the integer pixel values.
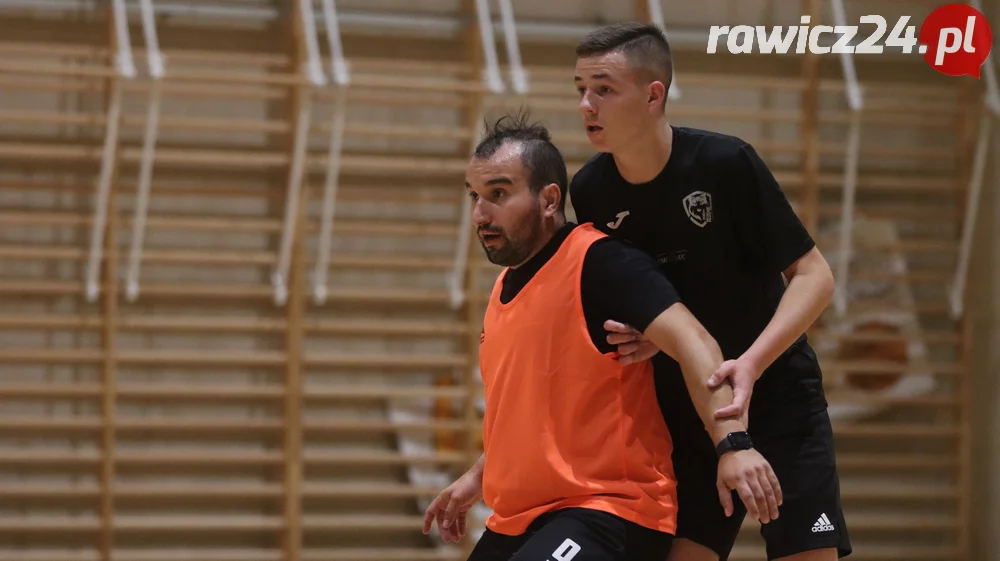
(549, 229)
(647, 155)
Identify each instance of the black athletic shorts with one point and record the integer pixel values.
(790, 427)
(575, 534)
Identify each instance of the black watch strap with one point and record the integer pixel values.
(734, 441)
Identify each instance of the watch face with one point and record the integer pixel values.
(741, 440)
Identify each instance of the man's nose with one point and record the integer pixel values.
(585, 106)
(480, 213)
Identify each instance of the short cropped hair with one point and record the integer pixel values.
(644, 46)
(539, 156)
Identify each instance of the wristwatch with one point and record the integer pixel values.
(734, 441)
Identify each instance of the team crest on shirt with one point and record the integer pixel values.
(698, 207)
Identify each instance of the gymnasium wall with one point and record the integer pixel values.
(204, 420)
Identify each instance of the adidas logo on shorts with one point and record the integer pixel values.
(823, 524)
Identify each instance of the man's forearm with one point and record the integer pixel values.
(699, 356)
(478, 467)
(805, 298)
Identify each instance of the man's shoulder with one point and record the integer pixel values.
(700, 146)
(591, 172)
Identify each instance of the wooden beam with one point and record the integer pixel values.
(292, 426)
(810, 129)
(109, 312)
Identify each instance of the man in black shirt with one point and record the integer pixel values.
(706, 207)
(517, 182)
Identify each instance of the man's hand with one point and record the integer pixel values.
(749, 474)
(742, 375)
(632, 346)
(452, 505)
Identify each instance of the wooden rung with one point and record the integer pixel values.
(201, 358)
(900, 211)
(882, 491)
(382, 554)
(49, 457)
(49, 424)
(49, 490)
(208, 257)
(360, 522)
(218, 291)
(55, 390)
(398, 164)
(197, 425)
(932, 400)
(50, 356)
(414, 84)
(199, 457)
(402, 262)
(196, 392)
(327, 392)
(199, 490)
(50, 321)
(40, 287)
(379, 489)
(384, 327)
(373, 458)
(192, 523)
(892, 462)
(843, 430)
(382, 426)
(209, 223)
(404, 361)
(48, 555)
(386, 130)
(832, 243)
(35, 218)
(192, 554)
(201, 324)
(387, 295)
(354, 227)
(892, 368)
(866, 336)
(37, 524)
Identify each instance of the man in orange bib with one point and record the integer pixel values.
(577, 461)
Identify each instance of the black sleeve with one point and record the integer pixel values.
(771, 232)
(622, 283)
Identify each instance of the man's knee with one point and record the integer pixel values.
(687, 550)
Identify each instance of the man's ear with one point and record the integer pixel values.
(551, 197)
(657, 94)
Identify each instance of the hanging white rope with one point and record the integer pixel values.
(656, 18)
(103, 192)
(125, 66)
(279, 279)
(855, 101)
(493, 80)
(957, 292)
(518, 76)
(338, 64)
(330, 197)
(456, 279)
(123, 57)
(156, 71)
(314, 65)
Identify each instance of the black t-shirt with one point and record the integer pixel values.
(617, 282)
(716, 222)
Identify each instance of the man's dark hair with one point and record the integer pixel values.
(644, 46)
(541, 159)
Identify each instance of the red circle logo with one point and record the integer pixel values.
(955, 39)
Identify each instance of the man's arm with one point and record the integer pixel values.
(809, 290)
(774, 239)
(681, 336)
(622, 283)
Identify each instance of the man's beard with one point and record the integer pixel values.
(514, 251)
